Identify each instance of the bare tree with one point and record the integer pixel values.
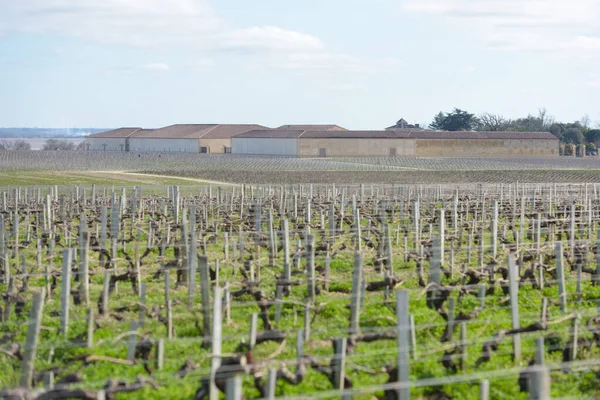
(58, 145)
(493, 122)
(544, 118)
(17, 145)
(585, 121)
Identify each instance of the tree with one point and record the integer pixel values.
(457, 120)
(585, 121)
(593, 136)
(540, 123)
(438, 121)
(58, 145)
(573, 135)
(17, 145)
(493, 122)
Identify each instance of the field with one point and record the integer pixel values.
(137, 288)
(102, 168)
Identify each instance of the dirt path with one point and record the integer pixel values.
(118, 174)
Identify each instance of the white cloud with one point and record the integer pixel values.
(148, 23)
(567, 27)
(269, 38)
(193, 25)
(161, 67)
(468, 68)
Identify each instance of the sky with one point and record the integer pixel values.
(362, 64)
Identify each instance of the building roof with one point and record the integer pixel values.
(355, 134)
(198, 131)
(393, 134)
(115, 133)
(481, 135)
(229, 131)
(402, 124)
(272, 134)
(312, 128)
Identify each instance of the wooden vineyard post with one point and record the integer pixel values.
(193, 259)
(253, 328)
(572, 232)
(560, 276)
(142, 304)
(205, 294)
(522, 220)
(307, 322)
(442, 238)
(494, 231)
(403, 330)
(31, 343)
(132, 340)
(271, 384)
(310, 267)
(105, 292)
(233, 388)
(481, 294)
(84, 244)
(216, 341)
(183, 278)
(48, 379)
(271, 239)
(539, 351)
(357, 280)
(484, 390)
(417, 225)
(227, 303)
(413, 337)
(327, 273)
(90, 327)
(451, 313)
(357, 228)
(388, 250)
(339, 365)
(513, 277)
(169, 319)
(331, 224)
(2, 232)
(16, 233)
(596, 278)
(65, 295)
(539, 374)
(287, 272)
(463, 346)
(435, 264)
(160, 354)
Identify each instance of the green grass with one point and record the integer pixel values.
(331, 321)
(82, 178)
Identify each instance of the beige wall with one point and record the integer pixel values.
(356, 147)
(106, 144)
(485, 147)
(217, 146)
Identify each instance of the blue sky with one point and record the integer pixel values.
(362, 64)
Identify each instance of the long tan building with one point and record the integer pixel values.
(181, 138)
(394, 143)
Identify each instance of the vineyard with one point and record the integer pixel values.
(37, 167)
(475, 291)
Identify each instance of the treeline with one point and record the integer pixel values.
(576, 132)
(49, 145)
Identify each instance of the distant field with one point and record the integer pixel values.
(399, 177)
(34, 168)
(82, 178)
